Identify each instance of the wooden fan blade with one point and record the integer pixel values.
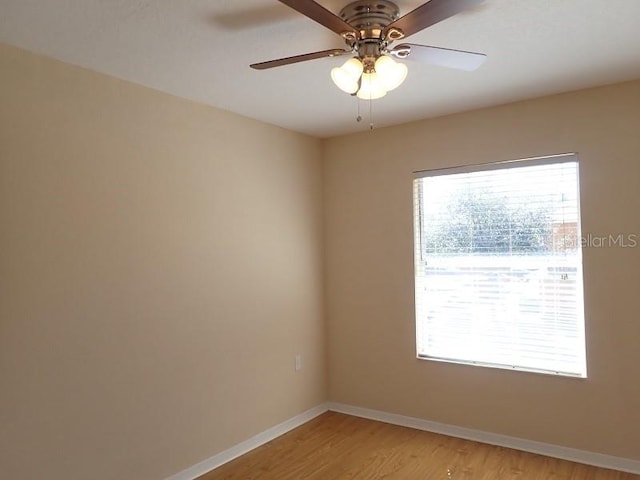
(299, 58)
(444, 57)
(429, 14)
(324, 17)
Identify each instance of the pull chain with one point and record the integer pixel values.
(370, 115)
(359, 117)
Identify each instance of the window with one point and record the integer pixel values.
(498, 266)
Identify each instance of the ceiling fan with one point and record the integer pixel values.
(369, 27)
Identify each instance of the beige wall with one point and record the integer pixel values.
(369, 272)
(160, 266)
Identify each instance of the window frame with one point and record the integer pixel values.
(579, 294)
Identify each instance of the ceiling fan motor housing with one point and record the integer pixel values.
(369, 18)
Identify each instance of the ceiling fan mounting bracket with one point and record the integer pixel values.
(349, 37)
(394, 34)
(401, 51)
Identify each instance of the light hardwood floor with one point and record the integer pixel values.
(340, 447)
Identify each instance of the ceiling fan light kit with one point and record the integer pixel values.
(372, 81)
(369, 82)
(369, 27)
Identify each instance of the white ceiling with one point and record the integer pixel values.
(201, 50)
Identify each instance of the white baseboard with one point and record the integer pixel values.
(556, 451)
(221, 458)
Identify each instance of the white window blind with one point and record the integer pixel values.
(498, 266)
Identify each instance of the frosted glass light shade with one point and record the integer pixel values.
(343, 81)
(353, 67)
(390, 72)
(370, 87)
(346, 77)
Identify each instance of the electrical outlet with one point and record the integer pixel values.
(298, 362)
